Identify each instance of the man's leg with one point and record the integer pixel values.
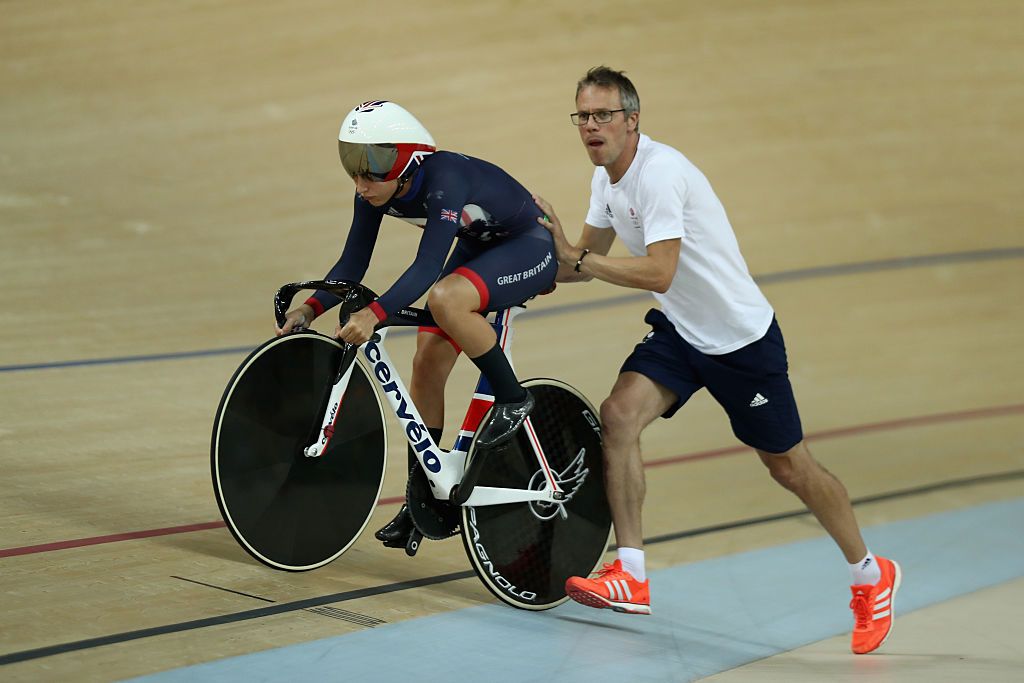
(823, 494)
(635, 402)
(752, 385)
(875, 579)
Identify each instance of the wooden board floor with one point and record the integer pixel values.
(165, 166)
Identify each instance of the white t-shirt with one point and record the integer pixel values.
(713, 302)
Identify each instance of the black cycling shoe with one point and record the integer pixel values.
(396, 533)
(505, 419)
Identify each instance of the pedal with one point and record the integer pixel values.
(413, 544)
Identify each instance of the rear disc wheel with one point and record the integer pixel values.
(525, 552)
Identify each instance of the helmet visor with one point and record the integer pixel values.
(371, 160)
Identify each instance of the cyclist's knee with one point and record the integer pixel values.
(454, 294)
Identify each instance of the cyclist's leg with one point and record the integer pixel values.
(455, 302)
(435, 357)
(436, 353)
(500, 275)
(456, 305)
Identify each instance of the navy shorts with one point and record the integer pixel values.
(751, 384)
(508, 272)
(505, 273)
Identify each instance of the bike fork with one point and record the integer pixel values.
(326, 432)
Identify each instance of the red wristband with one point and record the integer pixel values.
(378, 311)
(314, 303)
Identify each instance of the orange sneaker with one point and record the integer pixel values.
(874, 608)
(612, 587)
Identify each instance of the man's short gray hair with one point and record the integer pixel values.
(606, 77)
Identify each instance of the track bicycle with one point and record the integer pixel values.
(299, 450)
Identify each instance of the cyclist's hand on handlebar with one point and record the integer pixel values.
(296, 319)
(359, 327)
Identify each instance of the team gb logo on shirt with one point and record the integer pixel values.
(635, 218)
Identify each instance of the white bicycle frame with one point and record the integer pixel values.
(443, 469)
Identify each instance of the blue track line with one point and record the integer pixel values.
(766, 279)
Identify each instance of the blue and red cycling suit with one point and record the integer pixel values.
(500, 248)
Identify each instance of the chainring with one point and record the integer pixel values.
(435, 519)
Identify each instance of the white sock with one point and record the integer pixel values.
(866, 572)
(632, 560)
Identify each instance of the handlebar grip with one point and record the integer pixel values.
(349, 292)
(340, 288)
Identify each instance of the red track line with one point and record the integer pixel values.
(937, 418)
(96, 540)
(888, 425)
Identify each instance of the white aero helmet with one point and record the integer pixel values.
(382, 140)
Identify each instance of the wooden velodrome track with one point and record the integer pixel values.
(164, 166)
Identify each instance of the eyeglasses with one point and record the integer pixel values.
(580, 118)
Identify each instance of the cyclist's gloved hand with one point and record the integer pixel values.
(359, 327)
(296, 319)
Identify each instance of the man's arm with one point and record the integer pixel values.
(597, 240)
(653, 272)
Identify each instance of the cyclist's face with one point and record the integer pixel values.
(604, 141)
(377, 192)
